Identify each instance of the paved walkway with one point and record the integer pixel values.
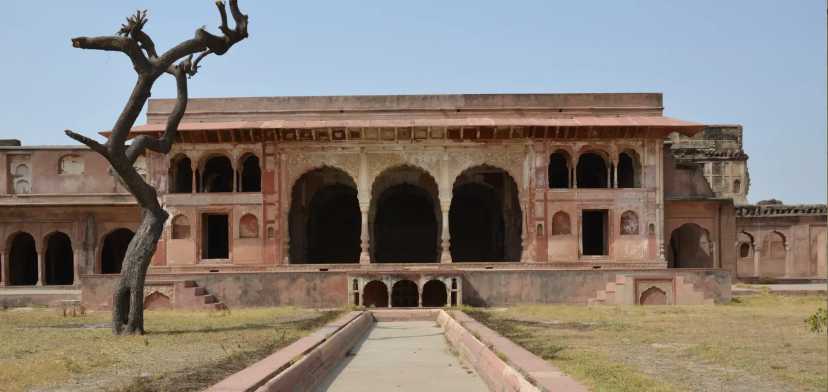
(404, 356)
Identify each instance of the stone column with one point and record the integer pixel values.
(193, 171)
(390, 288)
(419, 295)
(445, 237)
(4, 271)
(364, 236)
(445, 193)
(41, 270)
(757, 254)
(77, 256)
(615, 175)
(609, 175)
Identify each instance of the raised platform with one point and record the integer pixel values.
(482, 285)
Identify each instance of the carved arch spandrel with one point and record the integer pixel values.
(299, 163)
(511, 161)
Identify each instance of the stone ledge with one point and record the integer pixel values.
(502, 364)
(304, 363)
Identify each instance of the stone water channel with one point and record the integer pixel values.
(403, 356)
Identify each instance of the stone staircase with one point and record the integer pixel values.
(621, 291)
(183, 294)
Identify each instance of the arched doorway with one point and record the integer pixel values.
(592, 171)
(653, 296)
(772, 256)
(251, 177)
(485, 218)
(559, 170)
(375, 295)
(59, 263)
(181, 175)
(114, 249)
(405, 218)
(434, 294)
(404, 294)
(690, 247)
(22, 260)
(325, 221)
(629, 170)
(217, 175)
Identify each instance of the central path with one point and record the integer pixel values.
(403, 356)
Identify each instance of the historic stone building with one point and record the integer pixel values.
(774, 241)
(396, 200)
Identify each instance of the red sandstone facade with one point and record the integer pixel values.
(371, 200)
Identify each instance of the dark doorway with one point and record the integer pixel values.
(594, 232)
(114, 249)
(405, 228)
(434, 294)
(251, 178)
(334, 226)
(628, 169)
(23, 261)
(476, 224)
(217, 175)
(60, 260)
(215, 236)
(181, 177)
(690, 247)
(592, 171)
(404, 294)
(559, 170)
(375, 295)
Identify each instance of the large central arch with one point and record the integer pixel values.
(690, 247)
(324, 221)
(485, 218)
(405, 219)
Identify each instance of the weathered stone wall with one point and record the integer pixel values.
(479, 288)
(788, 243)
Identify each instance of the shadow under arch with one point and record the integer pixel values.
(324, 221)
(485, 219)
(404, 218)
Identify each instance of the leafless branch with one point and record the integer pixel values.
(92, 144)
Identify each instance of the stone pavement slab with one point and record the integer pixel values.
(403, 356)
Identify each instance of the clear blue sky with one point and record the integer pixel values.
(758, 63)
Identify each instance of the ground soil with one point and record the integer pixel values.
(758, 343)
(182, 351)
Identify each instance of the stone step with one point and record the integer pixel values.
(210, 299)
(199, 291)
(190, 283)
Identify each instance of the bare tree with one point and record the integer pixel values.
(179, 62)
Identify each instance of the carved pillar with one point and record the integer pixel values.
(364, 236)
(615, 175)
(41, 270)
(445, 237)
(194, 172)
(757, 254)
(609, 175)
(390, 290)
(77, 256)
(4, 271)
(445, 195)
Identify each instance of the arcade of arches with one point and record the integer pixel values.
(405, 222)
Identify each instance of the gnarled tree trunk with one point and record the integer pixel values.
(128, 299)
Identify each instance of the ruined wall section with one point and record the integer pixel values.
(718, 150)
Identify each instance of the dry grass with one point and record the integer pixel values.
(759, 343)
(182, 351)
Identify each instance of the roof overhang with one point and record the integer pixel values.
(450, 128)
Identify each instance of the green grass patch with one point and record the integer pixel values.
(181, 351)
(760, 343)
